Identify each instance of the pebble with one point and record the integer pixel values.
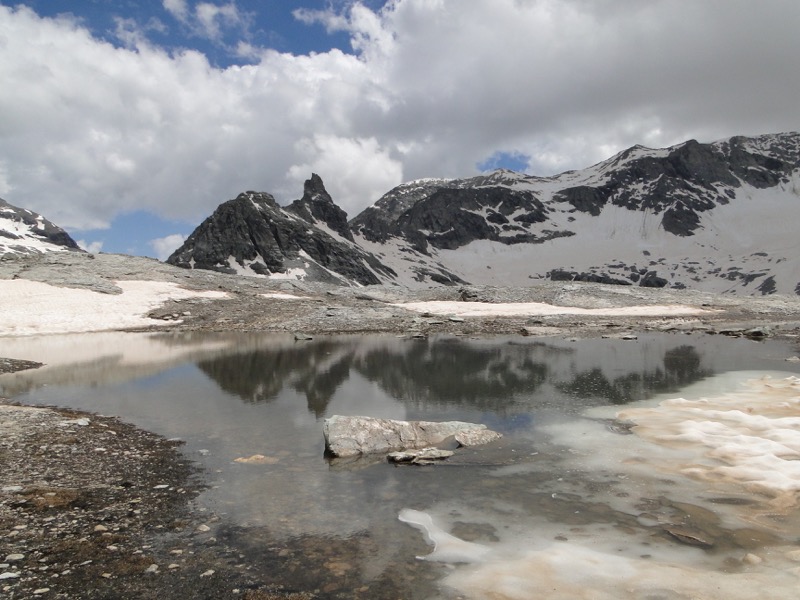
(752, 559)
(203, 528)
(80, 422)
(152, 569)
(14, 557)
(40, 591)
(9, 575)
(100, 528)
(208, 573)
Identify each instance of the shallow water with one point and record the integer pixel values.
(559, 476)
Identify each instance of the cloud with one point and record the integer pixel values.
(208, 20)
(91, 247)
(166, 245)
(360, 168)
(433, 88)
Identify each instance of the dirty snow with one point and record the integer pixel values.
(740, 443)
(32, 308)
(507, 309)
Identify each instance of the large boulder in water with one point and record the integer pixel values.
(351, 436)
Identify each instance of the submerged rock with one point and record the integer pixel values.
(350, 436)
(424, 456)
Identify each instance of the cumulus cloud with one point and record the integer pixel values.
(433, 88)
(166, 245)
(93, 247)
(363, 169)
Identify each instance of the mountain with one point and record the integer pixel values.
(719, 217)
(309, 239)
(24, 232)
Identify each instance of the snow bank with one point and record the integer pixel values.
(507, 309)
(32, 308)
(741, 445)
(750, 437)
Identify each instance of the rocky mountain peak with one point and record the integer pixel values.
(317, 206)
(314, 190)
(252, 235)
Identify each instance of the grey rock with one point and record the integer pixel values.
(350, 436)
(476, 437)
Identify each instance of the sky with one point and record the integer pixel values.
(129, 122)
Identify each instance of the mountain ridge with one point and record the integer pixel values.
(715, 217)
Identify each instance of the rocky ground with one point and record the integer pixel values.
(93, 508)
(318, 308)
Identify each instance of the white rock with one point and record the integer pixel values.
(351, 436)
(80, 422)
(421, 456)
(9, 575)
(14, 557)
(477, 437)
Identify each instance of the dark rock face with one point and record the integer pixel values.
(34, 225)
(692, 178)
(253, 232)
(317, 205)
(562, 275)
(452, 217)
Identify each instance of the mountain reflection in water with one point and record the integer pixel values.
(498, 377)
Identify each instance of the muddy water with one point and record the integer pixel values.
(565, 488)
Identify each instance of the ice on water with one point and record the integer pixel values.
(741, 441)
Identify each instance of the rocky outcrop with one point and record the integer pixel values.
(317, 206)
(351, 436)
(23, 231)
(253, 235)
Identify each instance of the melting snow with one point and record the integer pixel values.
(739, 444)
(31, 307)
(484, 309)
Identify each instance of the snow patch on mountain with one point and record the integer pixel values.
(24, 232)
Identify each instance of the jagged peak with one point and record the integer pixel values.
(314, 189)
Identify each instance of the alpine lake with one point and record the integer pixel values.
(568, 498)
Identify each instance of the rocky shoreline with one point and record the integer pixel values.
(91, 507)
